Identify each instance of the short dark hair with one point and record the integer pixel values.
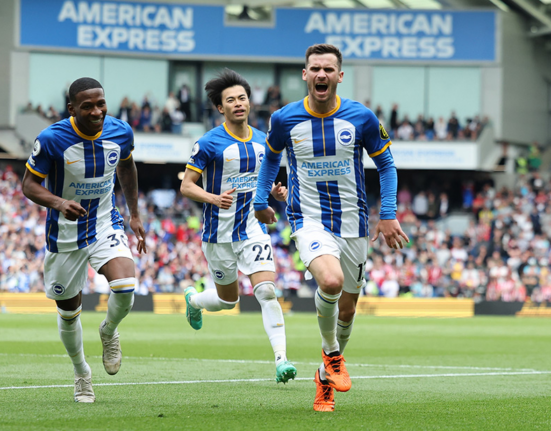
(82, 84)
(225, 79)
(324, 48)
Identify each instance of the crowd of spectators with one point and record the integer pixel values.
(504, 253)
(427, 129)
(174, 260)
(150, 116)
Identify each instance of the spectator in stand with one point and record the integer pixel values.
(166, 121)
(441, 129)
(420, 205)
(171, 104)
(184, 97)
(394, 119)
(453, 127)
(420, 126)
(125, 111)
(405, 131)
(145, 123)
(380, 114)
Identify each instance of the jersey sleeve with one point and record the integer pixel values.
(374, 136)
(40, 160)
(128, 146)
(200, 156)
(275, 138)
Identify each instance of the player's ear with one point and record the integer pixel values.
(71, 109)
(220, 109)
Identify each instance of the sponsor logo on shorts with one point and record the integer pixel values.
(315, 245)
(58, 289)
(219, 274)
(345, 137)
(112, 158)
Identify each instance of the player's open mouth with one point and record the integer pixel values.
(321, 88)
(239, 112)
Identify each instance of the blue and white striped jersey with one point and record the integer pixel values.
(227, 161)
(325, 167)
(81, 168)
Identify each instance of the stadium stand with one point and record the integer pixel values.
(502, 255)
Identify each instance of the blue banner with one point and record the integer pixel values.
(193, 31)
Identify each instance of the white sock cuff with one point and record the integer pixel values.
(123, 285)
(227, 305)
(325, 297)
(69, 315)
(345, 325)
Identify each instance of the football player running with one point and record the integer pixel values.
(228, 159)
(325, 136)
(79, 158)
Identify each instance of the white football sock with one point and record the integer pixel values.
(209, 300)
(344, 329)
(327, 307)
(70, 332)
(272, 316)
(119, 304)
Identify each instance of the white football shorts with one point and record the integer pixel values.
(313, 241)
(249, 256)
(65, 274)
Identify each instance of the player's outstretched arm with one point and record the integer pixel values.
(128, 177)
(388, 225)
(36, 192)
(191, 190)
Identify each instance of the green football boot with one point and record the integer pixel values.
(285, 371)
(194, 315)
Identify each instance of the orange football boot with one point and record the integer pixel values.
(325, 400)
(336, 373)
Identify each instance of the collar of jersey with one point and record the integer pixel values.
(237, 137)
(328, 114)
(82, 135)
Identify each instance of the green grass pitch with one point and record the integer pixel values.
(407, 374)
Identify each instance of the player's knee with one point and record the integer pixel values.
(228, 305)
(332, 283)
(265, 291)
(347, 314)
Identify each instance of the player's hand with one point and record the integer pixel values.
(392, 232)
(72, 210)
(279, 192)
(266, 216)
(137, 227)
(225, 200)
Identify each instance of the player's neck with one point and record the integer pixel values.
(322, 107)
(241, 129)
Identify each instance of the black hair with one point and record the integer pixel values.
(225, 79)
(82, 84)
(324, 48)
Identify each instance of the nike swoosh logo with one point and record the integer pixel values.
(297, 141)
(229, 160)
(264, 263)
(74, 161)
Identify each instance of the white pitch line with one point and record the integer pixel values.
(188, 382)
(252, 361)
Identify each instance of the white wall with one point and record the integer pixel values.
(525, 90)
(51, 74)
